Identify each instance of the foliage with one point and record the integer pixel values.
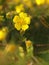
(23, 24)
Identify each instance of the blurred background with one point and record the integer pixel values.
(37, 33)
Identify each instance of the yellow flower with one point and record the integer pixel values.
(22, 21)
(28, 43)
(25, 17)
(3, 33)
(19, 8)
(40, 2)
(10, 14)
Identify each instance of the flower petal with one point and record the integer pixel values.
(22, 15)
(19, 8)
(27, 20)
(25, 27)
(17, 26)
(15, 19)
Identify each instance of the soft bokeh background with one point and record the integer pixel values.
(31, 47)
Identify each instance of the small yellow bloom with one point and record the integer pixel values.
(10, 14)
(28, 43)
(3, 33)
(19, 8)
(22, 21)
(40, 2)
